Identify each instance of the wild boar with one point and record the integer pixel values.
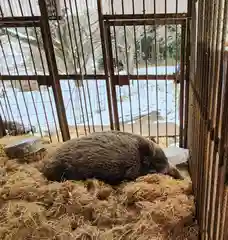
(110, 156)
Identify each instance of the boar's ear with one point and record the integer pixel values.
(152, 139)
(147, 166)
(144, 150)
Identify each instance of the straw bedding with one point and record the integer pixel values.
(152, 207)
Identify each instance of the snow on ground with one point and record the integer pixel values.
(133, 99)
(140, 97)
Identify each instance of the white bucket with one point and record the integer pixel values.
(176, 155)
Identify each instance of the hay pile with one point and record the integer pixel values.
(152, 207)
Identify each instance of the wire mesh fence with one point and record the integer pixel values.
(148, 100)
(142, 97)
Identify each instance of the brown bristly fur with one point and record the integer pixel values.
(110, 156)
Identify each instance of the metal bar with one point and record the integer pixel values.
(2, 128)
(75, 69)
(85, 77)
(192, 99)
(46, 79)
(66, 67)
(105, 61)
(94, 63)
(40, 78)
(187, 73)
(49, 51)
(145, 22)
(33, 62)
(189, 9)
(203, 121)
(214, 112)
(166, 86)
(44, 71)
(223, 145)
(221, 170)
(85, 70)
(158, 16)
(195, 124)
(204, 117)
(182, 77)
(127, 58)
(84, 64)
(198, 119)
(3, 112)
(117, 63)
(48, 82)
(5, 96)
(80, 38)
(23, 57)
(80, 70)
(161, 136)
(175, 82)
(17, 71)
(156, 69)
(19, 24)
(26, 107)
(41, 95)
(211, 105)
(111, 70)
(205, 114)
(22, 19)
(61, 41)
(146, 63)
(143, 77)
(137, 70)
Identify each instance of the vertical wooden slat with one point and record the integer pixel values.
(182, 81)
(208, 121)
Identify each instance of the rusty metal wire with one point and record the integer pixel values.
(137, 70)
(127, 57)
(76, 42)
(156, 72)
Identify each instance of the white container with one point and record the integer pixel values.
(176, 155)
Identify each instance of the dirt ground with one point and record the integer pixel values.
(152, 207)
